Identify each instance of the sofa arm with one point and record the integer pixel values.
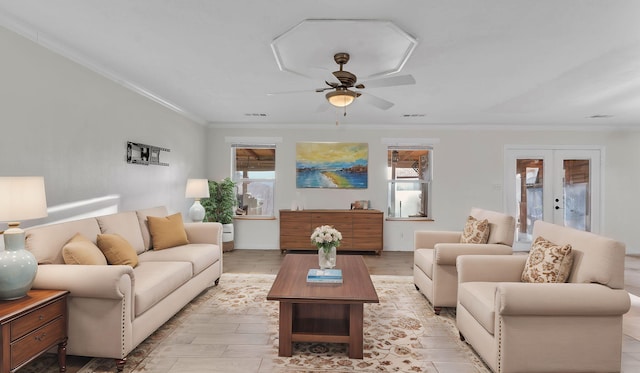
(447, 253)
(209, 232)
(565, 299)
(89, 281)
(490, 268)
(429, 239)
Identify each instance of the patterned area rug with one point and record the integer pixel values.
(401, 333)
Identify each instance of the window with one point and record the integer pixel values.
(409, 182)
(254, 171)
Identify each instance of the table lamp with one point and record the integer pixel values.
(21, 198)
(197, 188)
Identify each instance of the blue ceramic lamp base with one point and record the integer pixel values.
(18, 266)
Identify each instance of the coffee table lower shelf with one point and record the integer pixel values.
(324, 323)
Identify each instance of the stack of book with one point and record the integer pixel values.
(327, 276)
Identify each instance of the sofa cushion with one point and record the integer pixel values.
(80, 250)
(167, 231)
(200, 255)
(117, 250)
(479, 298)
(547, 262)
(155, 280)
(475, 231)
(144, 224)
(46, 242)
(124, 224)
(423, 259)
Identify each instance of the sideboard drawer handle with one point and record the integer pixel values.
(40, 317)
(40, 337)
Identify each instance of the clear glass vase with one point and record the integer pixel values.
(327, 257)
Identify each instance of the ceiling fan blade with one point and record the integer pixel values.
(298, 91)
(390, 81)
(378, 102)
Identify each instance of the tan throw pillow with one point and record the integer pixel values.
(547, 262)
(167, 231)
(475, 231)
(80, 250)
(117, 250)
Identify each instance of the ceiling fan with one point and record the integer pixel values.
(344, 90)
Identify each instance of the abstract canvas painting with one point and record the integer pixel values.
(340, 165)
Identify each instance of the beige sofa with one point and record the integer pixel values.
(546, 327)
(435, 253)
(113, 308)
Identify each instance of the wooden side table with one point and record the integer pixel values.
(30, 326)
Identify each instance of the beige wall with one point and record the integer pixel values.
(468, 171)
(71, 125)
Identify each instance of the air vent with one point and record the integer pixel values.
(601, 116)
(413, 115)
(255, 115)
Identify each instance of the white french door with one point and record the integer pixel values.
(558, 185)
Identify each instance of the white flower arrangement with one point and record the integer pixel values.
(325, 237)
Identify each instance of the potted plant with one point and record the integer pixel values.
(219, 207)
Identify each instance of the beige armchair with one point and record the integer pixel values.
(546, 327)
(435, 253)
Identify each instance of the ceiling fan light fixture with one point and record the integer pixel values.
(341, 97)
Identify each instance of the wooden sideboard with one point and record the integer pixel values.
(361, 229)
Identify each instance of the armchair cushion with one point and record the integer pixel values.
(479, 298)
(502, 226)
(475, 231)
(423, 259)
(595, 258)
(547, 262)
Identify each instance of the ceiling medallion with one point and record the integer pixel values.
(377, 47)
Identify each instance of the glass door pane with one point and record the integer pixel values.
(576, 191)
(529, 196)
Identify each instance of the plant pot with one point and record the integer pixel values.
(227, 237)
(227, 232)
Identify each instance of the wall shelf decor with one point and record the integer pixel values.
(145, 154)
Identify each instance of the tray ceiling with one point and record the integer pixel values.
(559, 64)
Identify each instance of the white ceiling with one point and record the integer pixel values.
(499, 62)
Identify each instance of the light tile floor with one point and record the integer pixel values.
(400, 263)
(232, 356)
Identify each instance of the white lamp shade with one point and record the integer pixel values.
(197, 188)
(22, 198)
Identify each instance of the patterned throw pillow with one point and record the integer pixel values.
(475, 231)
(547, 262)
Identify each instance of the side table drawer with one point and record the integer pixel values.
(35, 319)
(37, 341)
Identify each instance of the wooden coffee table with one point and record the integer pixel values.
(312, 312)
